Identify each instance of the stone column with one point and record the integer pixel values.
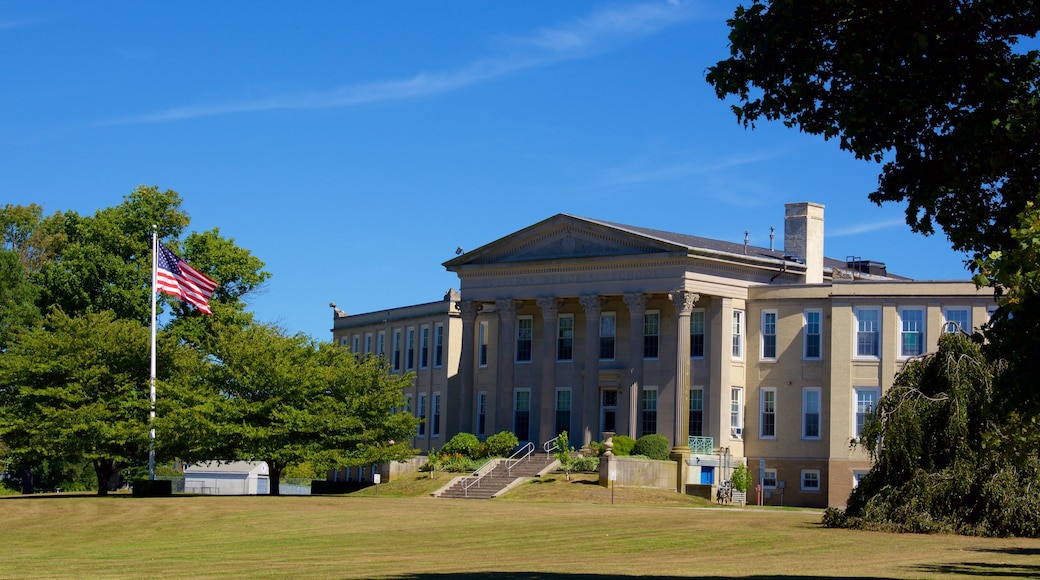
(504, 363)
(543, 395)
(464, 407)
(683, 302)
(590, 380)
(630, 394)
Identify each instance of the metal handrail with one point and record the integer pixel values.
(702, 445)
(551, 445)
(526, 451)
(479, 474)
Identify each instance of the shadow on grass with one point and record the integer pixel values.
(555, 576)
(983, 570)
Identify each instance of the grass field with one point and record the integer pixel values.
(549, 529)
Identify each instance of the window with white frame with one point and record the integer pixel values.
(563, 410)
(738, 335)
(608, 409)
(408, 403)
(368, 343)
(866, 401)
(857, 476)
(768, 335)
(696, 424)
(697, 333)
(607, 335)
(868, 332)
(409, 353)
(767, 421)
(355, 346)
(396, 346)
(522, 414)
(651, 334)
(810, 480)
(911, 334)
(769, 478)
(482, 343)
(524, 336)
(811, 413)
(381, 343)
(812, 334)
(422, 415)
(481, 413)
(649, 410)
(736, 412)
(438, 345)
(343, 341)
(565, 337)
(956, 319)
(424, 346)
(435, 416)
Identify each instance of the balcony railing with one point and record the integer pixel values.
(702, 445)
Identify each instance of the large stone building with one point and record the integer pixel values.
(735, 353)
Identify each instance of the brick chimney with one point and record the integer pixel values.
(803, 237)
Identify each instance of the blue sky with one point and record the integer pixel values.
(354, 146)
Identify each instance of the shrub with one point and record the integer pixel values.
(652, 446)
(623, 445)
(501, 444)
(465, 444)
(596, 448)
(585, 464)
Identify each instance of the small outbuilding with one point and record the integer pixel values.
(227, 478)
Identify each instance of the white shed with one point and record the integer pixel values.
(227, 478)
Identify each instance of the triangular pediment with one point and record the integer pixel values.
(564, 237)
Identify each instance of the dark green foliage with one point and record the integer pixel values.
(652, 446)
(938, 465)
(501, 444)
(585, 464)
(465, 444)
(596, 447)
(452, 463)
(623, 445)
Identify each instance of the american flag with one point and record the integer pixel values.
(175, 277)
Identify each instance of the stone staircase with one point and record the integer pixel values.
(499, 480)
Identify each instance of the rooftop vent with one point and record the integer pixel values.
(857, 264)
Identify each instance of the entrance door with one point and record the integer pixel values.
(707, 475)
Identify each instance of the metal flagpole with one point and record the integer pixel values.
(151, 382)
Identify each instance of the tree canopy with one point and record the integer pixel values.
(937, 91)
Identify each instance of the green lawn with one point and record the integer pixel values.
(550, 529)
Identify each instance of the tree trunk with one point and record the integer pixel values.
(104, 468)
(275, 475)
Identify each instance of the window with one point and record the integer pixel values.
(736, 412)
(435, 413)
(857, 476)
(524, 332)
(810, 480)
(651, 334)
(769, 334)
(697, 333)
(355, 346)
(381, 343)
(343, 341)
(738, 334)
(956, 319)
(563, 410)
(396, 363)
(522, 414)
(812, 335)
(767, 423)
(866, 401)
(608, 410)
(424, 347)
(482, 342)
(911, 337)
(696, 411)
(422, 415)
(481, 414)
(438, 345)
(565, 337)
(607, 335)
(769, 478)
(649, 410)
(368, 343)
(868, 326)
(811, 413)
(408, 403)
(409, 355)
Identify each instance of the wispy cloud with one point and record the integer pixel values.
(864, 228)
(641, 175)
(582, 38)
